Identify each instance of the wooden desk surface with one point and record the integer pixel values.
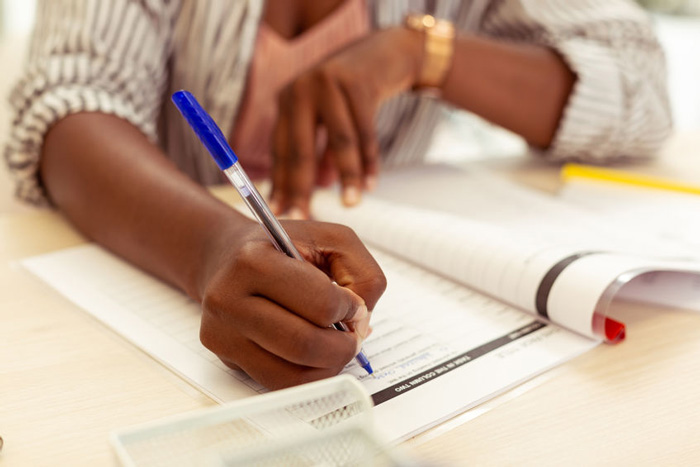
(66, 381)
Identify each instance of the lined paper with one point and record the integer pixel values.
(436, 344)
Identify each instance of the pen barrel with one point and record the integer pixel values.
(255, 202)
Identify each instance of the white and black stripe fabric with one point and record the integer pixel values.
(124, 57)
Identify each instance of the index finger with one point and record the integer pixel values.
(363, 107)
(280, 150)
(343, 140)
(297, 286)
(339, 252)
(296, 174)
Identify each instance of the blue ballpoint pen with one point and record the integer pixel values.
(213, 139)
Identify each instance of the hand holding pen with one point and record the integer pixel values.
(271, 314)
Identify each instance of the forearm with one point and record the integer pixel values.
(521, 87)
(119, 189)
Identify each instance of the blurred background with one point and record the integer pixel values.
(677, 23)
(16, 18)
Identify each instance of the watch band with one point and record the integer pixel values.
(438, 48)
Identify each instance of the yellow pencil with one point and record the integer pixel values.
(574, 171)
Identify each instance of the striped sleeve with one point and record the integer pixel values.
(93, 56)
(619, 106)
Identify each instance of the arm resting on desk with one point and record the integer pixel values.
(263, 312)
(557, 73)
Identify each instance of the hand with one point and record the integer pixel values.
(269, 315)
(341, 95)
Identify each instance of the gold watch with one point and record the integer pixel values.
(438, 48)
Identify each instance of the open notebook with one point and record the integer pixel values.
(442, 341)
(666, 215)
(535, 252)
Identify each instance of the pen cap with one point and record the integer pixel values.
(206, 129)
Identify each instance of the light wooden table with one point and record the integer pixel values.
(66, 381)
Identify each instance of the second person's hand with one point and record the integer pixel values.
(341, 96)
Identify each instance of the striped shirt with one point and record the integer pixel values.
(123, 57)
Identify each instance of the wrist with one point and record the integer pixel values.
(438, 37)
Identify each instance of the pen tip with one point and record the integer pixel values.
(368, 369)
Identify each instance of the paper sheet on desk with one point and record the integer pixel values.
(438, 348)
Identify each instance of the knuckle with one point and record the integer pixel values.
(377, 283)
(247, 260)
(214, 303)
(345, 234)
(219, 312)
(299, 159)
(330, 309)
(303, 347)
(209, 337)
(351, 175)
(341, 141)
(339, 235)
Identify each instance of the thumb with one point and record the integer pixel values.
(358, 322)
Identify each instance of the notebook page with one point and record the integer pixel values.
(435, 344)
(664, 215)
(481, 196)
(512, 259)
(477, 255)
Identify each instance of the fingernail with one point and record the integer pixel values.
(371, 182)
(361, 313)
(351, 196)
(296, 214)
(361, 322)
